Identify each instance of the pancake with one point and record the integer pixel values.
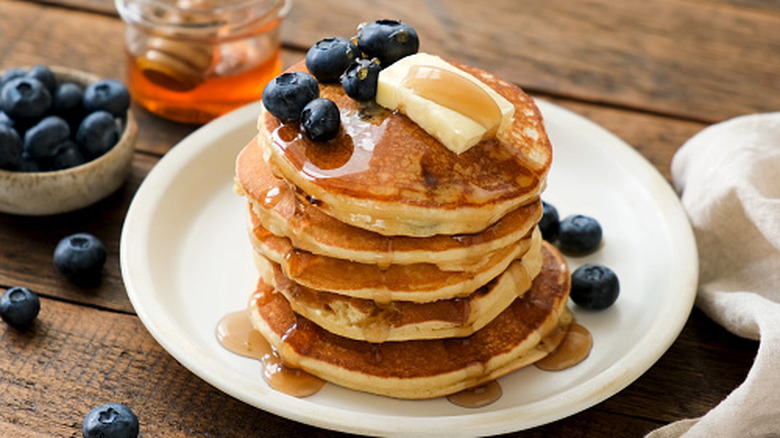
(420, 282)
(426, 368)
(284, 214)
(362, 319)
(384, 173)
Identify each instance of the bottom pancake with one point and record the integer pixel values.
(424, 368)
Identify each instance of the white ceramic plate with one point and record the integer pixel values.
(186, 262)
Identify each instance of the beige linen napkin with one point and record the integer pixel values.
(728, 177)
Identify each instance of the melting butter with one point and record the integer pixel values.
(453, 106)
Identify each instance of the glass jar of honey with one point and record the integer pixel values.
(193, 60)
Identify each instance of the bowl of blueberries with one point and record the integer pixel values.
(66, 139)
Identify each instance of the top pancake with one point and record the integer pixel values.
(284, 213)
(384, 173)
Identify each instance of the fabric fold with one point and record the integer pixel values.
(728, 178)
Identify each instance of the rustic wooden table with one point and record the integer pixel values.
(653, 72)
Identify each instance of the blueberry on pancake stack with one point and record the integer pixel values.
(393, 202)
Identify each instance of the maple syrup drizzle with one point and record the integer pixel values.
(455, 92)
(477, 396)
(236, 333)
(568, 346)
(574, 348)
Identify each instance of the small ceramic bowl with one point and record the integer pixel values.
(61, 191)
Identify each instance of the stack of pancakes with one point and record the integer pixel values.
(392, 265)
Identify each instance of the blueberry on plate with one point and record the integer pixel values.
(68, 155)
(19, 306)
(107, 95)
(387, 40)
(25, 98)
(80, 258)
(360, 80)
(320, 119)
(97, 134)
(45, 75)
(549, 222)
(10, 148)
(328, 59)
(42, 139)
(286, 95)
(579, 234)
(114, 420)
(594, 286)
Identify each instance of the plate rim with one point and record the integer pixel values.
(578, 398)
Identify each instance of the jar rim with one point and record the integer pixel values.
(230, 19)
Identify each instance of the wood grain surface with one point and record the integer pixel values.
(653, 72)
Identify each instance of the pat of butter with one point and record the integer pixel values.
(448, 103)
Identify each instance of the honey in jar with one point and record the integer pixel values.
(193, 60)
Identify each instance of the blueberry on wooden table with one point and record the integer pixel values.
(330, 57)
(579, 234)
(112, 420)
(320, 119)
(107, 95)
(360, 80)
(594, 286)
(80, 258)
(19, 306)
(286, 95)
(387, 40)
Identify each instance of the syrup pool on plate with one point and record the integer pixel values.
(236, 334)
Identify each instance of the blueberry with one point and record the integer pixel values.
(97, 133)
(45, 75)
(80, 258)
(112, 420)
(29, 165)
(286, 95)
(107, 95)
(11, 73)
(579, 234)
(5, 120)
(360, 80)
(388, 40)
(42, 139)
(68, 155)
(549, 222)
(328, 59)
(25, 98)
(10, 148)
(594, 286)
(320, 119)
(67, 97)
(19, 306)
